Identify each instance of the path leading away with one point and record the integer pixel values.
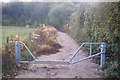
(84, 69)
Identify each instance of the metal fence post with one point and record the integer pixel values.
(17, 52)
(102, 54)
(90, 49)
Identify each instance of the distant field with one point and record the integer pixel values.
(12, 31)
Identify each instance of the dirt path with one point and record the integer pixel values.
(84, 69)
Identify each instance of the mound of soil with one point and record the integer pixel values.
(54, 48)
(45, 43)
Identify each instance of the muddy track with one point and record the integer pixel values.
(84, 69)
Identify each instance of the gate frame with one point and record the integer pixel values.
(102, 53)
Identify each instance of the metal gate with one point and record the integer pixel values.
(71, 61)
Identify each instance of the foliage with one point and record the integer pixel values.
(98, 23)
(60, 14)
(44, 44)
(114, 70)
(85, 22)
(22, 14)
(43, 41)
(9, 69)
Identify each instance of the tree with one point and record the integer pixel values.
(59, 14)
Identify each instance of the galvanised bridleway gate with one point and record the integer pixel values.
(71, 61)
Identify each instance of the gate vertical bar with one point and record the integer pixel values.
(17, 52)
(102, 54)
(90, 49)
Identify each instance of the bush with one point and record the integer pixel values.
(113, 71)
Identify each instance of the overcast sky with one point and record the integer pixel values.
(61, 0)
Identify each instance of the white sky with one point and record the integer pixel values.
(14, 0)
(4, 0)
(64, 0)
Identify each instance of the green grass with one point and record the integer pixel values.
(12, 31)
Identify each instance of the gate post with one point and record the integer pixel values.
(102, 54)
(17, 52)
(90, 49)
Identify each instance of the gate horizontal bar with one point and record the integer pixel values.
(86, 58)
(93, 43)
(45, 62)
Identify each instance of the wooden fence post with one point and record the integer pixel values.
(7, 50)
